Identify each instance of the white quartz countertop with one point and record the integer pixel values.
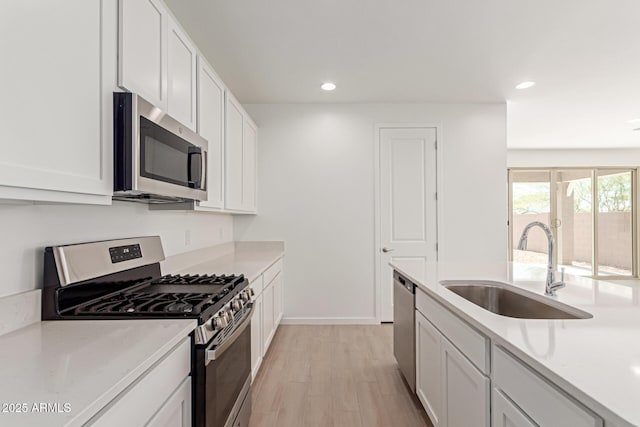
(596, 360)
(78, 365)
(248, 258)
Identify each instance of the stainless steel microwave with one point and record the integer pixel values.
(156, 158)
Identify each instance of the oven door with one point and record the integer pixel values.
(224, 397)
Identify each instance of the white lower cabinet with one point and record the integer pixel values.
(256, 336)
(428, 368)
(459, 388)
(466, 390)
(176, 411)
(277, 300)
(267, 318)
(267, 303)
(505, 413)
(161, 397)
(452, 390)
(541, 401)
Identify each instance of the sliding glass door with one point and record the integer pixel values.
(591, 213)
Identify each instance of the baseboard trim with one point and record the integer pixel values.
(329, 321)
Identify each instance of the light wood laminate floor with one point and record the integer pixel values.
(333, 376)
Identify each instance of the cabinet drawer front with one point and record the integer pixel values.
(505, 413)
(272, 272)
(543, 403)
(257, 285)
(470, 342)
(137, 404)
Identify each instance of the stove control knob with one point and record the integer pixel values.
(252, 292)
(245, 296)
(227, 315)
(220, 322)
(236, 305)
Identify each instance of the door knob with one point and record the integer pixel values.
(385, 250)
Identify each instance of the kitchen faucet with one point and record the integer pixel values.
(552, 285)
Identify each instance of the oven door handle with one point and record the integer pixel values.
(219, 351)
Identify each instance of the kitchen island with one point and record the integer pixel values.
(594, 361)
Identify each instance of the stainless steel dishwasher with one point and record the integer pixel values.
(404, 334)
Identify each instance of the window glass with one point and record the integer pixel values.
(589, 211)
(574, 227)
(615, 224)
(531, 201)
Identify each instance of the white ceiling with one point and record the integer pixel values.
(584, 54)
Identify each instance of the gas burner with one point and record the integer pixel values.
(197, 279)
(143, 303)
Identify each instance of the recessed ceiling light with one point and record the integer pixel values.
(634, 120)
(328, 86)
(526, 85)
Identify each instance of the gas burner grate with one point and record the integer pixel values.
(149, 303)
(197, 279)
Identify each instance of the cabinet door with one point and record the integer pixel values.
(267, 318)
(211, 128)
(466, 390)
(249, 164)
(176, 411)
(59, 73)
(181, 74)
(143, 50)
(428, 368)
(277, 300)
(256, 336)
(233, 154)
(505, 413)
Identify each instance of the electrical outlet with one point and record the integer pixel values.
(187, 237)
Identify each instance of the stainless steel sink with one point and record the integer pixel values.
(506, 300)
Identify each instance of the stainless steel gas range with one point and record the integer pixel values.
(121, 279)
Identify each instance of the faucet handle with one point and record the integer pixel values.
(557, 285)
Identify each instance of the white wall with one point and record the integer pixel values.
(26, 229)
(316, 192)
(624, 157)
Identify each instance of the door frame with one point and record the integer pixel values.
(376, 197)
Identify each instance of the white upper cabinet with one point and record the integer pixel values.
(181, 74)
(233, 154)
(59, 73)
(249, 164)
(143, 49)
(157, 60)
(240, 154)
(211, 127)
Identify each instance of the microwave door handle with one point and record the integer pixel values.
(203, 171)
(190, 164)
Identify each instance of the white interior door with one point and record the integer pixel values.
(407, 204)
